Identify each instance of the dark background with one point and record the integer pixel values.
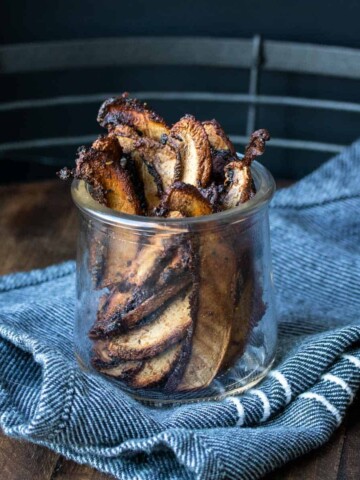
(323, 22)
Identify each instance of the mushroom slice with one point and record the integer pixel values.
(150, 179)
(120, 249)
(194, 151)
(123, 369)
(217, 137)
(159, 155)
(176, 374)
(238, 184)
(142, 157)
(215, 310)
(126, 136)
(249, 310)
(167, 328)
(125, 311)
(131, 112)
(101, 357)
(185, 199)
(114, 367)
(149, 262)
(174, 214)
(100, 167)
(256, 145)
(156, 369)
(162, 157)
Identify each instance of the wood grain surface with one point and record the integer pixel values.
(37, 228)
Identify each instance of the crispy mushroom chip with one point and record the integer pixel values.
(256, 147)
(217, 137)
(155, 162)
(215, 310)
(157, 335)
(125, 310)
(186, 200)
(238, 184)
(194, 152)
(101, 168)
(131, 112)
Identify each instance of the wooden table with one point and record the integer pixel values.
(38, 228)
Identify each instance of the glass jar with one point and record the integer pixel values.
(176, 309)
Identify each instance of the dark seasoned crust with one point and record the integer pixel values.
(125, 310)
(213, 194)
(217, 137)
(256, 147)
(111, 185)
(194, 151)
(166, 329)
(131, 112)
(186, 199)
(220, 158)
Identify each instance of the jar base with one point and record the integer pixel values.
(236, 388)
(217, 393)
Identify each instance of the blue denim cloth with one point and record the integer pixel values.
(46, 399)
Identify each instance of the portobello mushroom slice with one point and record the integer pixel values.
(194, 152)
(101, 168)
(131, 112)
(185, 199)
(241, 325)
(217, 137)
(150, 180)
(238, 184)
(125, 311)
(149, 262)
(167, 328)
(123, 370)
(248, 312)
(156, 369)
(256, 145)
(101, 357)
(162, 156)
(215, 311)
(114, 367)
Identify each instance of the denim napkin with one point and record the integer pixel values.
(46, 399)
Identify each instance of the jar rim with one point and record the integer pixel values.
(265, 188)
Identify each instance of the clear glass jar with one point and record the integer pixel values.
(176, 309)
